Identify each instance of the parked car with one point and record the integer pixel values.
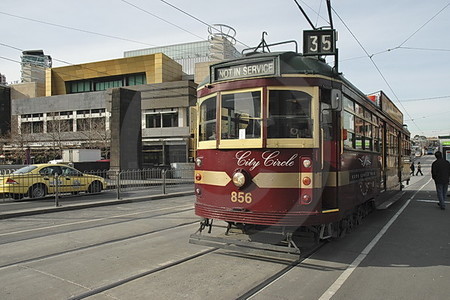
(36, 181)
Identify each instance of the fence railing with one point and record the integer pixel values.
(155, 181)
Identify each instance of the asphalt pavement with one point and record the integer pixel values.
(410, 257)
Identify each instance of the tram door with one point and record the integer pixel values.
(330, 151)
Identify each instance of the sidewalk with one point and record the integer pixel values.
(412, 259)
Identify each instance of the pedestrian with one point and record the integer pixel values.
(419, 169)
(412, 169)
(440, 172)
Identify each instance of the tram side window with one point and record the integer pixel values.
(368, 141)
(375, 134)
(349, 104)
(207, 122)
(289, 115)
(349, 125)
(359, 130)
(241, 115)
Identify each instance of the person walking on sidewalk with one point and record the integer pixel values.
(440, 172)
(419, 169)
(412, 169)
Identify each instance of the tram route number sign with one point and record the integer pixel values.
(319, 42)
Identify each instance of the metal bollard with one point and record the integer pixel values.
(118, 184)
(56, 190)
(163, 175)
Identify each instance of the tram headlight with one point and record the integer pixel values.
(239, 179)
(198, 161)
(307, 163)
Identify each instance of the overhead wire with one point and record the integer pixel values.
(197, 19)
(75, 29)
(378, 69)
(420, 28)
(426, 99)
(87, 31)
(400, 46)
(116, 37)
(162, 19)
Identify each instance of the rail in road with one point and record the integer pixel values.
(140, 251)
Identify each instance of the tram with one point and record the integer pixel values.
(444, 146)
(285, 141)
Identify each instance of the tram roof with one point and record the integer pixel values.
(290, 63)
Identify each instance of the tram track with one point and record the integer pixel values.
(44, 228)
(267, 282)
(94, 245)
(253, 291)
(117, 283)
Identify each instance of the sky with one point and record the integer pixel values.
(401, 47)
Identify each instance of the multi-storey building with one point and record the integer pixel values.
(76, 111)
(73, 108)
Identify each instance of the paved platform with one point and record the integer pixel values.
(407, 258)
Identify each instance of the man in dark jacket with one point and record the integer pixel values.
(440, 171)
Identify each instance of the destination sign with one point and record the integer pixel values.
(253, 69)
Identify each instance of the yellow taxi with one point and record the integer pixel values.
(36, 181)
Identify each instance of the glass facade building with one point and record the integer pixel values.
(188, 54)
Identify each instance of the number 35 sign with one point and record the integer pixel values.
(319, 42)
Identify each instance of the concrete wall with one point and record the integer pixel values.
(126, 133)
(60, 103)
(27, 90)
(167, 94)
(202, 71)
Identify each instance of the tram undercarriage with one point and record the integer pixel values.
(276, 241)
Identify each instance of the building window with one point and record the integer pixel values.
(32, 127)
(104, 85)
(161, 119)
(170, 119)
(136, 79)
(101, 84)
(153, 155)
(59, 126)
(84, 112)
(176, 153)
(83, 125)
(152, 121)
(79, 86)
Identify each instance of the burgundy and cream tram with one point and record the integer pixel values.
(284, 140)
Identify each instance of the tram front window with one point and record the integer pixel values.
(207, 129)
(241, 115)
(289, 115)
